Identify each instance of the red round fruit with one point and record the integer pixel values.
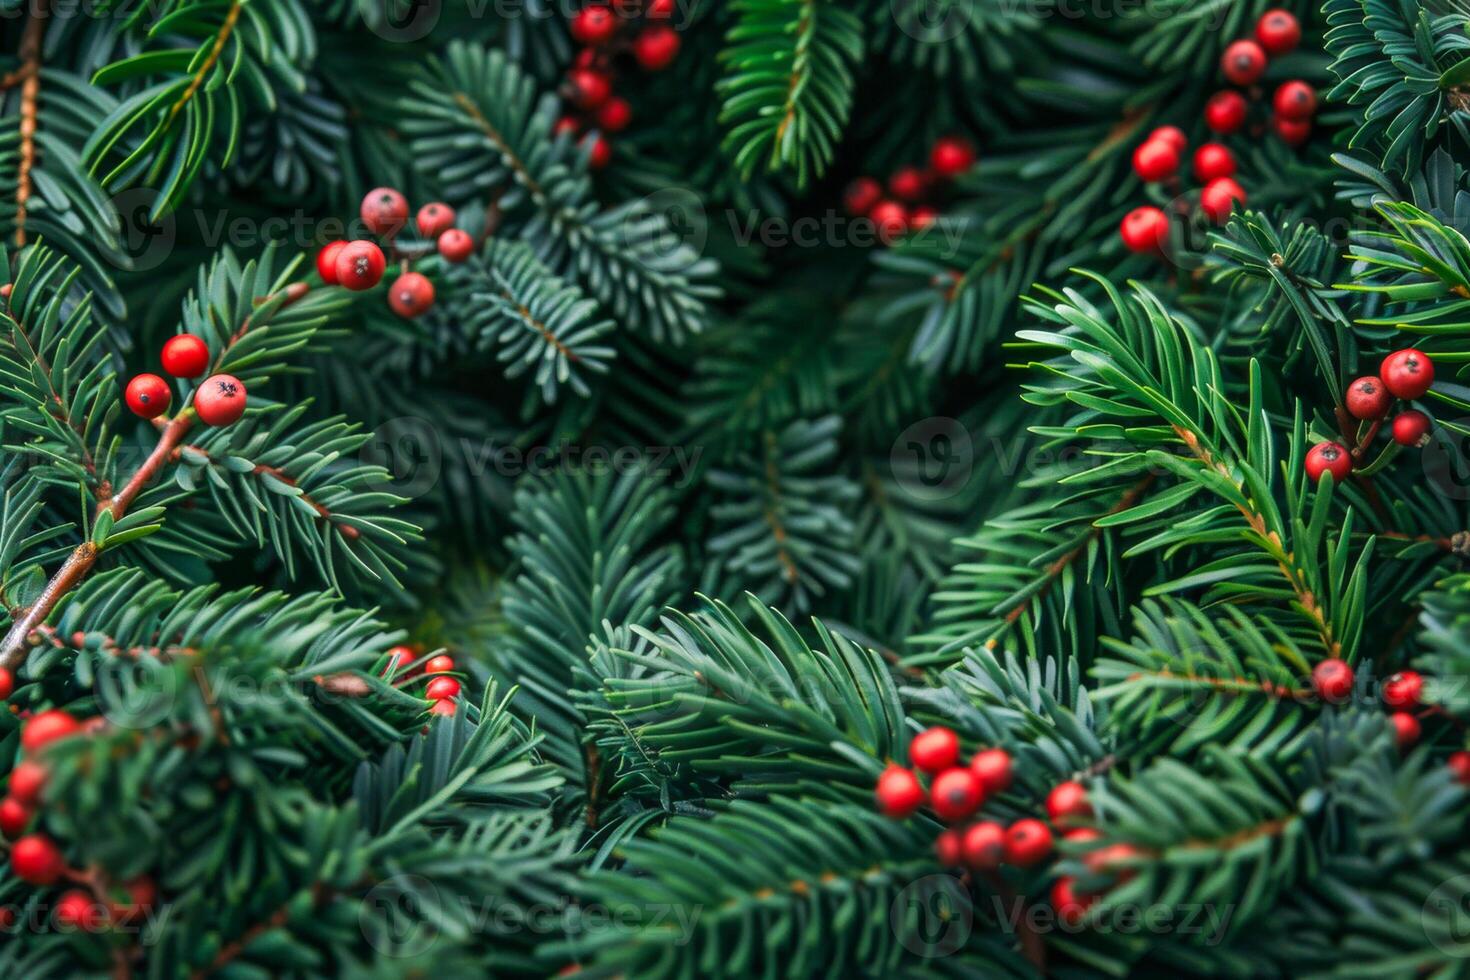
(951, 156)
(7, 684)
(411, 295)
(659, 9)
(399, 657)
(1278, 31)
(1145, 230)
(599, 153)
(1071, 906)
(1411, 428)
(1219, 196)
(1292, 132)
(1225, 112)
(589, 89)
(441, 664)
(148, 395)
(14, 815)
(923, 217)
(48, 726)
(1406, 729)
(1155, 160)
(142, 893)
(891, 218)
(1459, 763)
(384, 211)
(1333, 680)
(956, 794)
(360, 265)
(1028, 842)
(185, 356)
(566, 125)
(220, 400)
(656, 47)
(27, 780)
(934, 749)
(899, 792)
(456, 245)
(1329, 457)
(77, 910)
(908, 184)
(1403, 689)
(1295, 100)
(444, 707)
(594, 25)
(1082, 835)
(1243, 62)
(1407, 373)
(861, 196)
(1172, 135)
(993, 768)
(1367, 398)
(947, 848)
(1107, 859)
(441, 687)
(615, 116)
(1067, 803)
(37, 860)
(326, 261)
(434, 219)
(983, 846)
(1213, 161)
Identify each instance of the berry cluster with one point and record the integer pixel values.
(441, 690)
(359, 265)
(912, 190)
(1244, 62)
(649, 40)
(1145, 230)
(1402, 693)
(957, 792)
(1406, 374)
(219, 399)
(35, 858)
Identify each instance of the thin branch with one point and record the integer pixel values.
(30, 67)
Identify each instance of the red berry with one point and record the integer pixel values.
(1082, 835)
(142, 893)
(439, 665)
(908, 184)
(441, 687)
(326, 261)
(1333, 680)
(384, 211)
(594, 25)
(1243, 62)
(1155, 160)
(220, 400)
(1106, 859)
(399, 657)
(1411, 428)
(1028, 842)
(1213, 161)
(615, 116)
(951, 156)
(659, 9)
(1278, 32)
(456, 245)
(983, 846)
(923, 217)
(185, 356)
(1403, 689)
(1407, 373)
(1225, 112)
(1071, 906)
(360, 265)
(599, 153)
(76, 910)
(445, 707)
(1459, 763)
(656, 47)
(27, 780)
(1292, 132)
(899, 792)
(993, 768)
(947, 848)
(566, 125)
(1067, 802)
(1367, 398)
(956, 794)
(14, 815)
(47, 727)
(1219, 196)
(1145, 230)
(7, 684)
(589, 89)
(934, 749)
(1295, 100)
(1172, 135)
(434, 219)
(891, 218)
(37, 860)
(589, 58)
(1329, 457)
(148, 395)
(411, 295)
(861, 196)
(1406, 729)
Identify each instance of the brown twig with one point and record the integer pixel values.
(30, 82)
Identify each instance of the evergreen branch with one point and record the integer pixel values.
(30, 69)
